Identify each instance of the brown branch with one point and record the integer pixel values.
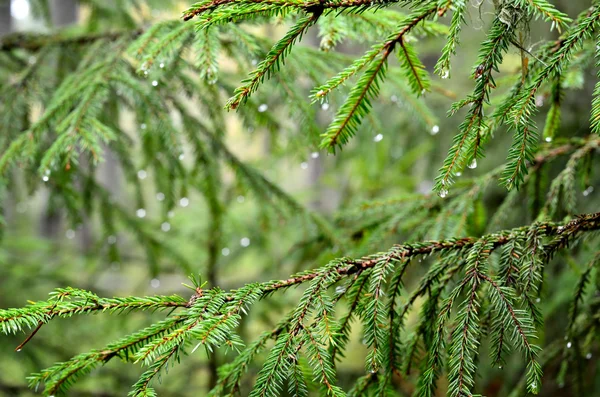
(34, 42)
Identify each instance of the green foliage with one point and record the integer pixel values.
(459, 280)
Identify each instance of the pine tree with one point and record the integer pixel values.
(448, 290)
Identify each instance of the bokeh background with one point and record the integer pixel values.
(398, 151)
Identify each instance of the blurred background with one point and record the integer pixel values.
(396, 154)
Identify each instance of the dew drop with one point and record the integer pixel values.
(18, 350)
(304, 165)
(254, 62)
(70, 234)
(325, 106)
(245, 241)
(443, 193)
(435, 129)
(263, 108)
(45, 178)
(32, 60)
(588, 356)
(241, 199)
(548, 139)
(587, 191)
(184, 202)
(225, 251)
(162, 65)
(145, 73)
(473, 164)
(142, 174)
(569, 344)
(165, 226)
(458, 173)
(143, 126)
(394, 98)
(181, 156)
(141, 213)
(314, 155)
(378, 138)
(155, 283)
(445, 73)
(154, 83)
(533, 387)
(539, 101)
(111, 239)
(538, 300)
(160, 196)
(423, 91)
(499, 366)
(340, 289)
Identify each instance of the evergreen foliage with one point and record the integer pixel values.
(461, 288)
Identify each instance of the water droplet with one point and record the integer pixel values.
(184, 202)
(340, 289)
(443, 193)
(144, 66)
(245, 241)
(45, 178)
(373, 371)
(548, 139)
(304, 165)
(241, 199)
(538, 300)
(143, 126)
(18, 350)
(569, 344)
(378, 138)
(435, 129)
(458, 173)
(165, 226)
(499, 366)
(533, 387)
(314, 155)
(111, 239)
(161, 65)
(325, 106)
(140, 213)
(155, 283)
(263, 108)
(70, 234)
(170, 214)
(254, 62)
(142, 174)
(145, 73)
(445, 73)
(423, 91)
(560, 229)
(154, 83)
(539, 101)
(225, 251)
(587, 191)
(160, 196)
(32, 60)
(588, 356)
(473, 164)
(181, 156)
